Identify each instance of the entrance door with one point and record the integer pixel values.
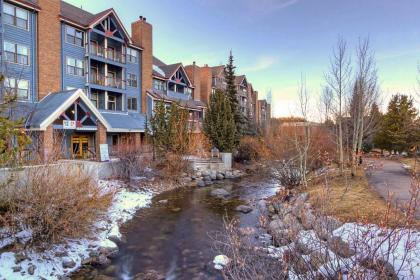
(80, 146)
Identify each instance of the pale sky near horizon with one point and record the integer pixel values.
(275, 41)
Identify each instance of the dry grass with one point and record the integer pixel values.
(352, 200)
(55, 202)
(414, 163)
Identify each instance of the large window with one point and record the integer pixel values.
(95, 99)
(131, 55)
(74, 36)
(132, 104)
(16, 16)
(112, 102)
(75, 66)
(159, 85)
(18, 87)
(16, 53)
(131, 80)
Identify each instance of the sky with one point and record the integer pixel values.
(275, 42)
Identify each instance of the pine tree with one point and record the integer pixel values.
(398, 129)
(169, 129)
(219, 124)
(232, 95)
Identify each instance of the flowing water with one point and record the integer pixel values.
(175, 238)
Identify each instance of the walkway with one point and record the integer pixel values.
(390, 176)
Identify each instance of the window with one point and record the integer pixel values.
(112, 103)
(74, 36)
(16, 53)
(16, 16)
(132, 104)
(18, 87)
(75, 66)
(94, 98)
(159, 85)
(131, 55)
(131, 80)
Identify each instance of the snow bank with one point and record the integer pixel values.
(400, 248)
(49, 264)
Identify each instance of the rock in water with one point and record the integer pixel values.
(244, 209)
(68, 263)
(220, 262)
(220, 193)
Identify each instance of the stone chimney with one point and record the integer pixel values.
(194, 74)
(142, 35)
(49, 47)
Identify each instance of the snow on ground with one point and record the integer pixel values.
(400, 248)
(49, 264)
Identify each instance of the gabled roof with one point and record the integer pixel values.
(217, 70)
(158, 62)
(171, 69)
(86, 19)
(239, 79)
(48, 109)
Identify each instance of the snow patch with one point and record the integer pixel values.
(49, 264)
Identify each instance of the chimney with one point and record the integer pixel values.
(49, 47)
(206, 84)
(142, 35)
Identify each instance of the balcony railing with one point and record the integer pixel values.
(107, 53)
(109, 81)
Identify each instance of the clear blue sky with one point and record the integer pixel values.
(274, 41)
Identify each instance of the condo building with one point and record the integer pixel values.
(84, 84)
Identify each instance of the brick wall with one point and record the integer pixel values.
(142, 34)
(100, 138)
(49, 47)
(194, 74)
(206, 83)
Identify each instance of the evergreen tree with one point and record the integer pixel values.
(398, 130)
(232, 95)
(169, 129)
(219, 124)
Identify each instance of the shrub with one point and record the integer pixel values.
(54, 202)
(252, 149)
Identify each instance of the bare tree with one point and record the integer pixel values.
(338, 79)
(302, 133)
(365, 94)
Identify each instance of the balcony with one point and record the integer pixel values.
(107, 53)
(107, 81)
(195, 126)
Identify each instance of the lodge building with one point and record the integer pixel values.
(82, 80)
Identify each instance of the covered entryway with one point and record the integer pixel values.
(80, 147)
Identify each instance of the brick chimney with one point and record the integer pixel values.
(194, 74)
(206, 83)
(142, 34)
(49, 47)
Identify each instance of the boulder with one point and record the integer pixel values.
(205, 173)
(307, 219)
(31, 269)
(68, 263)
(201, 183)
(340, 247)
(317, 259)
(383, 269)
(219, 193)
(244, 209)
(220, 176)
(220, 262)
(207, 178)
(294, 259)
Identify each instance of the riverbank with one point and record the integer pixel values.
(65, 258)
